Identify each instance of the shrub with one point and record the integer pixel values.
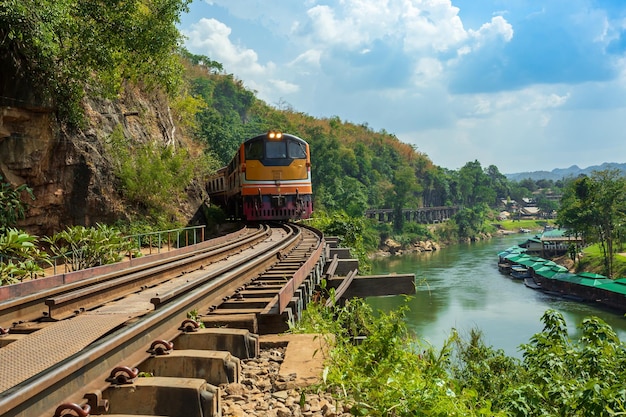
(389, 372)
(85, 247)
(12, 208)
(21, 257)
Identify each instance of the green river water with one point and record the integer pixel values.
(460, 287)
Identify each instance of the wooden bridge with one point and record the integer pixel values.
(420, 215)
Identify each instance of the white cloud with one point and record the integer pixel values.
(427, 71)
(330, 29)
(432, 25)
(498, 27)
(212, 38)
(284, 87)
(308, 59)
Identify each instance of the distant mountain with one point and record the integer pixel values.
(560, 173)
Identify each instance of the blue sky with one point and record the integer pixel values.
(522, 84)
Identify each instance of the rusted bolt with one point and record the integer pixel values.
(189, 325)
(160, 347)
(80, 411)
(123, 375)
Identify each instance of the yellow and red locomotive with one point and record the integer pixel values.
(269, 178)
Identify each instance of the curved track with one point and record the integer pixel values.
(111, 320)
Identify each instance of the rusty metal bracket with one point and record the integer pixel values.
(189, 326)
(80, 411)
(161, 347)
(123, 375)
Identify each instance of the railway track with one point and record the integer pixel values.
(72, 349)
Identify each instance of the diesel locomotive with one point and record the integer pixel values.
(269, 178)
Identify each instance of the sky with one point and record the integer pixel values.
(524, 85)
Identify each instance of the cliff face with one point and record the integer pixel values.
(69, 172)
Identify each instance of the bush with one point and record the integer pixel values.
(388, 373)
(349, 230)
(81, 247)
(21, 257)
(12, 208)
(392, 373)
(154, 178)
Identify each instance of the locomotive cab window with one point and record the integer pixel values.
(276, 150)
(254, 150)
(297, 150)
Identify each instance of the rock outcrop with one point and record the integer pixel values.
(391, 247)
(68, 170)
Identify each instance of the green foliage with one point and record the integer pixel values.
(592, 260)
(186, 107)
(214, 216)
(389, 372)
(224, 122)
(20, 257)
(349, 230)
(595, 207)
(416, 231)
(61, 46)
(483, 370)
(85, 247)
(155, 177)
(476, 187)
(470, 221)
(405, 189)
(579, 378)
(12, 207)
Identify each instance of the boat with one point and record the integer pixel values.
(519, 272)
(505, 268)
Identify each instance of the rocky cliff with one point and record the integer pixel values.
(68, 170)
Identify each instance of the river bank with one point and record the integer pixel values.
(391, 247)
(461, 288)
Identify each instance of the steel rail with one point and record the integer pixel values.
(33, 306)
(69, 303)
(87, 370)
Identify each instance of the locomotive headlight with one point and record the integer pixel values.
(274, 135)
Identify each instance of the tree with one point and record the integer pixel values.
(470, 220)
(475, 185)
(61, 46)
(498, 182)
(595, 207)
(546, 205)
(405, 187)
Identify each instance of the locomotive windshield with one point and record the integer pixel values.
(254, 150)
(276, 150)
(297, 150)
(283, 149)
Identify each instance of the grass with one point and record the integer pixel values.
(515, 225)
(592, 261)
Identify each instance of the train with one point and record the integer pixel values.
(269, 178)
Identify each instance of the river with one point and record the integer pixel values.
(460, 287)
